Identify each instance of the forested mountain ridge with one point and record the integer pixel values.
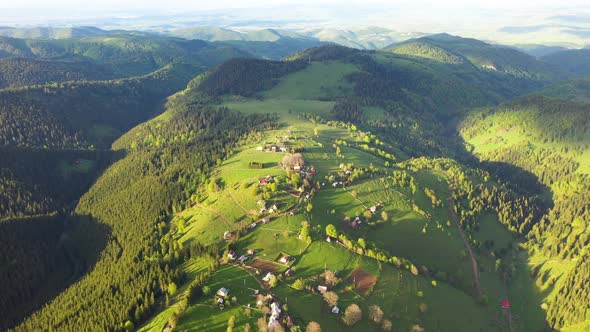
(156, 177)
(63, 108)
(18, 72)
(126, 54)
(83, 114)
(481, 55)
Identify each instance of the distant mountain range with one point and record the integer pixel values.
(267, 43)
(365, 38)
(55, 33)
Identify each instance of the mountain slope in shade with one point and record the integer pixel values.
(575, 62)
(16, 72)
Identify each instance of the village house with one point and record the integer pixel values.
(275, 314)
(251, 251)
(223, 292)
(231, 255)
(322, 289)
(243, 258)
(285, 259)
(335, 310)
(227, 235)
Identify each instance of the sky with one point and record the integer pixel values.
(474, 18)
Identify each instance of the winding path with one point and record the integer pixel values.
(202, 207)
(474, 267)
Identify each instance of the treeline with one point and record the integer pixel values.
(245, 77)
(84, 114)
(540, 119)
(349, 110)
(517, 212)
(134, 197)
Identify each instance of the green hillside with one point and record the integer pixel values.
(349, 171)
(547, 138)
(411, 189)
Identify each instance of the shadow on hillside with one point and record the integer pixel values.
(520, 278)
(61, 175)
(47, 255)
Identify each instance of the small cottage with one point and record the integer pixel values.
(243, 258)
(223, 292)
(285, 259)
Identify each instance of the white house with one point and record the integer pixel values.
(243, 258)
(285, 259)
(267, 277)
(335, 310)
(222, 292)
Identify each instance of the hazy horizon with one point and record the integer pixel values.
(541, 22)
